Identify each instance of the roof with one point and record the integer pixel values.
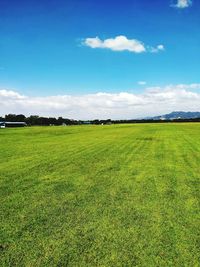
(12, 122)
(15, 122)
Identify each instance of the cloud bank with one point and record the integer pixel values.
(183, 4)
(122, 43)
(124, 105)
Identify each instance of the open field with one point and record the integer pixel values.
(123, 195)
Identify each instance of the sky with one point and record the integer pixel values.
(86, 59)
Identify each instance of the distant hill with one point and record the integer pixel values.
(177, 115)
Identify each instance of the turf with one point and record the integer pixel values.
(120, 195)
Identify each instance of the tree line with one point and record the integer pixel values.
(46, 121)
(37, 120)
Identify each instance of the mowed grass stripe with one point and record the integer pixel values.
(173, 192)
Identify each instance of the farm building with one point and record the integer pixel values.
(5, 124)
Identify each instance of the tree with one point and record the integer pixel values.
(10, 117)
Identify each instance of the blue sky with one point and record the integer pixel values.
(43, 48)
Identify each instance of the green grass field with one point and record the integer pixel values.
(123, 195)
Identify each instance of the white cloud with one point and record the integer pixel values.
(8, 94)
(124, 105)
(121, 43)
(157, 49)
(142, 83)
(183, 3)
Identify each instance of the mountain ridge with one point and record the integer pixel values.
(174, 115)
